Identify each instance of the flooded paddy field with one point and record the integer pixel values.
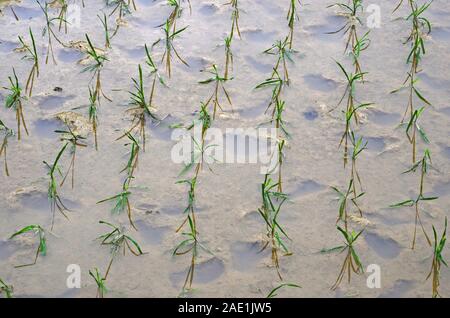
(224, 229)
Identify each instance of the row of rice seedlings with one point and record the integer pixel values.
(6, 289)
(122, 201)
(122, 8)
(31, 55)
(421, 28)
(49, 31)
(14, 101)
(38, 231)
(423, 165)
(119, 242)
(6, 133)
(75, 141)
(219, 85)
(188, 228)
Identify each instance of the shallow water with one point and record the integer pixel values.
(227, 199)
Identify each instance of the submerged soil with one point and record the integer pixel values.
(227, 199)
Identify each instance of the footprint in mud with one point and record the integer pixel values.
(208, 9)
(69, 56)
(400, 288)
(24, 13)
(246, 256)
(383, 118)
(205, 272)
(45, 128)
(445, 150)
(440, 189)
(441, 33)
(35, 200)
(150, 234)
(136, 53)
(445, 111)
(319, 83)
(305, 188)
(163, 130)
(310, 114)
(258, 35)
(385, 247)
(433, 82)
(7, 46)
(322, 31)
(375, 144)
(53, 101)
(258, 66)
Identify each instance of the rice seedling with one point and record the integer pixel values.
(140, 108)
(423, 165)
(274, 291)
(75, 141)
(234, 18)
(272, 201)
(62, 15)
(350, 11)
(438, 260)
(229, 60)
(122, 199)
(362, 44)
(177, 10)
(169, 47)
(95, 68)
(100, 281)
(48, 30)
(292, 16)
(6, 132)
(219, 83)
(93, 113)
(276, 83)
(352, 108)
(284, 53)
(122, 7)
(14, 101)
(154, 73)
(104, 21)
(344, 198)
(359, 145)
(118, 241)
(5, 289)
(30, 56)
(53, 195)
(38, 231)
(352, 261)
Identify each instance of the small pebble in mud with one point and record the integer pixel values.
(311, 114)
(57, 89)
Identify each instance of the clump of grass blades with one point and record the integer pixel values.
(423, 165)
(6, 132)
(362, 44)
(31, 56)
(95, 68)
(352, 108)
(421, 28)
(291, 17)
(140, 109)
(104, 21)
(48, 30)
(100, 281)
(154, 73)
(344, 198)
(62, 15)
(272, 201)
(122, 199)
(75, 141)
(350, 27)
(38, 231)
(53, 195)
(118, 241)
(274, 291)
(276, 83)
(359, 145)
(229, 59)
(169, 47)
(438, 260)
(219, 83)
(284, 53)
(93, 113)
(123, 8)
(352, 262)
(14, 101)
(175, 14)
(6, 289)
